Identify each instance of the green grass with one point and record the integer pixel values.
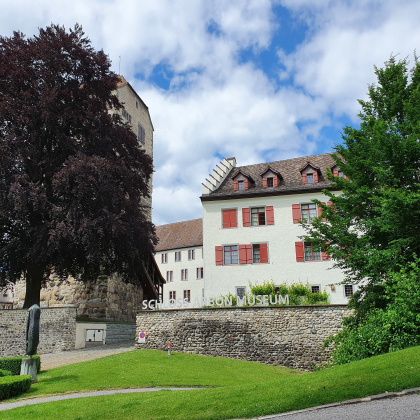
(237, 389)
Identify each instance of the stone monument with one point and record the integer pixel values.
(28, 366)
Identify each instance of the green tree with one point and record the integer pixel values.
(72, 176)
(372, 226)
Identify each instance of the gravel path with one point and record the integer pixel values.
(53, 360)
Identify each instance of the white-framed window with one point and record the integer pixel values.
(191, 254)
(169, 276)
(184, 274)
(309, 178)
(200, 272)
(348, 290)
(187, 295)
(230, 254)
(177, 256)
(172, 295)
(164, 258)
(241, 185)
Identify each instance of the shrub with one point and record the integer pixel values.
(11, 386)
(13, 364)
(383, 330)
(5, 373)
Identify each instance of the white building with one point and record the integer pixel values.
(179, 255)
(251, 234)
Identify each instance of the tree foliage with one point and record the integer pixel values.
(372, 225)
(72, 175)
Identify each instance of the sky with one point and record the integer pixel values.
(260, 80)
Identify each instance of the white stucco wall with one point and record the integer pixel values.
(281, 237)
(193, 284)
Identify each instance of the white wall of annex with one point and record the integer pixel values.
(193, 284)
(281, 237)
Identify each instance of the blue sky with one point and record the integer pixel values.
(260, 80)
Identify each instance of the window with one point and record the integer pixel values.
(240, 292)
(172, 295)
(309, 178)
(141, 134)
(270, 182)
(308, 212)
(229, 218)
(241, 185)
(311, 254)
(126, 115)
(200, 272)
(137, 105)
(191, 254)
(164, 258)
(259, 254)
(256, 255)
(177, 256)
(169, 276)
(184, 274)
(230, 254)
(348, 290)
(258, 216)
(315, 289)
(187, 295)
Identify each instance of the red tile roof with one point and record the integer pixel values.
(180, 235)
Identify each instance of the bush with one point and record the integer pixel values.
(383, 330)
(11, 386)
(5, 373)
(13, 364)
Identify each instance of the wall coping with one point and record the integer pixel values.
(242, 308)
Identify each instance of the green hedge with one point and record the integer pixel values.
(5, 373)
(11, 386)
(13, 364)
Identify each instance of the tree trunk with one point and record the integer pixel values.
(33, 286)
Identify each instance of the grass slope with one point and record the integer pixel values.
(240, 389)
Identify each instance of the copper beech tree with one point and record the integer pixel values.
(72, 176)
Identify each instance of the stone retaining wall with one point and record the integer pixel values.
(289, 336)
(57, 330)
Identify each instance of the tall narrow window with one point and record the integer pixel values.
(177, 256)
(256, 253)
(230, 254)
(184, 274)
(141, 135)
(169, 276)
(200, 272)
(308, 212)
(187, 295)
(172, 295)
(191, 254)
(164, 257)
(257, 216)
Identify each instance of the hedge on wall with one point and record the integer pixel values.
(11, 386)
(13, 364)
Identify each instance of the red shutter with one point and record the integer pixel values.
(219, 255)
(335, 173)
(235, 185)
(232, 218)
(304, 178)
(263, 254)
(264, 182)
(242, 254)
(226, 219)
(269, 213)
(299, 251)
(320, 212)
(296, 213)
(315, 176)
(276, 181)
(246, 184)
(245, 217)
(248, 254)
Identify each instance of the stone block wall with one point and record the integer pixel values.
(108, 297)
(57, 330)
(290, 336)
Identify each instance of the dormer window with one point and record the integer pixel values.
(241, 181)
(270, 178)
(241, 185)
(310, 174)
(270, 182)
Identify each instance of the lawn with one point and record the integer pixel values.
(234, 388)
